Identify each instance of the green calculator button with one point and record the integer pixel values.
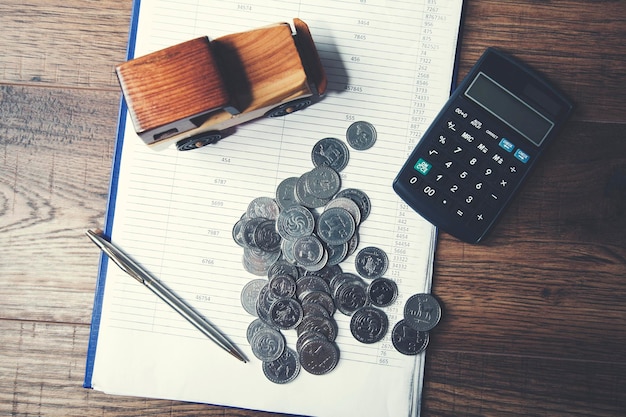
(422, 166)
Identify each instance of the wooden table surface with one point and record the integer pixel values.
(535, 318)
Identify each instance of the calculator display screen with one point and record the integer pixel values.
(509, 108)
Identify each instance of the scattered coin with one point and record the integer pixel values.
(407, 340)
(319, 356)
(286, 313)
(285, 192)
(284, 369)
(250, 294)
(323, 182)
(330, 152)
(335, 226)
(361, 135)
(360, 198)
(382, 292)
(369, 324)
(268, 344)
(422, 312)
(371, 262)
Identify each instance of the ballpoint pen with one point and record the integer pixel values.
(135, 270)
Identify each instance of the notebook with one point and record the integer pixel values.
(390, 63)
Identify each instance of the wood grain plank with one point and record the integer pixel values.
(54, 175)
(41, 373)
(477, 384)
(577, 44)
(73, 43)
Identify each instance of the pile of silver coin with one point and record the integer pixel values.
(297, 240)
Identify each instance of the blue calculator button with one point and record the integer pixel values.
(522, 156)
(422, 166)
(507, 145)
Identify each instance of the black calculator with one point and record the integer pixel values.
(481, 146)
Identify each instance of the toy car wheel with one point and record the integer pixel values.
(198, 141)
(288, 108)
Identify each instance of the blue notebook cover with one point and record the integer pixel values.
(110, 210)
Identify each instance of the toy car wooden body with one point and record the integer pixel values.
(190, 93)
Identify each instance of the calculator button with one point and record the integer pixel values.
(507, 145)
(497, 158)
(438, 178)
(522, 156)
(443, 141)
(513, 170)
(482, 148)
(435, 155)
(477, 124)
(482, 217)
(467, 137)
(422, 166)
(451, 125)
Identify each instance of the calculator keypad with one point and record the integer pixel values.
(469, 168)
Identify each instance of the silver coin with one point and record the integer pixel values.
(422, 312)
(309, 283)
(351, 296)
(371, 262)
(407, 340)
(336, 253)
(248, 228)
(361, 135)
(353, 243)
(286, 192)
(238, 231)
(254, 327)
(286, 247)
(327, 273)
(312, 309)
(286, 313)
(360, 198)
(263, 207)
(294, 222)
(382, 292)
(369, 324)
(283, 267)
(250, 293)
(284, 369)
(348, 204)
(304, 196)
(319, 265)
(324, 325)
(319, 356)
(268, 344)
(263, 304)
(322, 298)
(306, 336)
(339, 279)
(323, 182)
(330, 152)
(308, 250)
(257, 261)
(265, 236)
(282, 286)
(335, 226)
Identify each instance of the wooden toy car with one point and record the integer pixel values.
(190, 93)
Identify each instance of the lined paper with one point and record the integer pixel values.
(389, 63)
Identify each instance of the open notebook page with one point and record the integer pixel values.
(389, 63)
